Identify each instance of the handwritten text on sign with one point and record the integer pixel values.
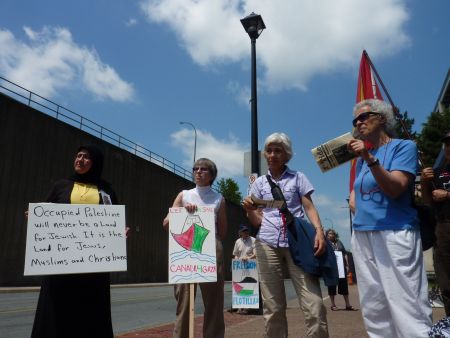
(75, 238)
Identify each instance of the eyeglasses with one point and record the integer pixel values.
(363, 117)
(202, 169)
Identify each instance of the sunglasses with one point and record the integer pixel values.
(363, 117)
(202, 169)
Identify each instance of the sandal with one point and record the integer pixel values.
(350, 308)
(334, 308)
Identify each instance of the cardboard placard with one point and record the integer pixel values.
(75, 238)
(192, 245)
(245, 284)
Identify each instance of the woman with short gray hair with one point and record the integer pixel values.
(272, 247)
(387, 247)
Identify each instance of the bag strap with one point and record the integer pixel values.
(278, 196)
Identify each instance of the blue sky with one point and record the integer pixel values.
(140, 67)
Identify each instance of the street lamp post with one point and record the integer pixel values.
(195, 139)
(254, 25)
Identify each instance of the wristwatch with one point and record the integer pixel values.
(373, 163)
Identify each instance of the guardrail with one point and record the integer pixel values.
(76, 120)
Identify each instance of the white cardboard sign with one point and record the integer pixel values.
(245, 284)
(75, 238)
(192, 245)
(340, 263)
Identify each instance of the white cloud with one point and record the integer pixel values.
(322, 200)
(227, 154)
(303, 38)
(51, 61)
(242, 94)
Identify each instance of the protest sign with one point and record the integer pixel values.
(340, 263)
(75, 238)
(245, 284)
(192, 245)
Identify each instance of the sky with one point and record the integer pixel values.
(141, 67)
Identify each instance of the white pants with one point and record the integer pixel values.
(392, 283)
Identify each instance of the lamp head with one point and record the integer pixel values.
(253, 25)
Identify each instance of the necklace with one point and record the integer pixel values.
(83, 196)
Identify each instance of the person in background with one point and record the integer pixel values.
(244, 247)
(342, 287)
(386, 243)
(436, 192)
(77, 305)
(272, 247)
(205, 172)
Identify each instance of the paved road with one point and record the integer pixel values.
(132, 308)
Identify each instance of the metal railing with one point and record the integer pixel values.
(76, 120)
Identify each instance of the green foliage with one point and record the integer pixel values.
(230, 190)
(404, 130)
(429, 140)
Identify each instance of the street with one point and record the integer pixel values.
(133, 307)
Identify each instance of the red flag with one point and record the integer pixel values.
(367, 89)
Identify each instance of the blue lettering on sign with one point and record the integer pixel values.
(244, 265)
(245, 300)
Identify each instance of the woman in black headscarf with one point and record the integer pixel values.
(77, 305)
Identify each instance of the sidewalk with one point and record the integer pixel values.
(341, 324)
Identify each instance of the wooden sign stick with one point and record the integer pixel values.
(191, 309)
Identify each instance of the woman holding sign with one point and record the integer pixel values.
(205, 172)
(77, 305)
(272, 246)
(387, 248)
(342, 287)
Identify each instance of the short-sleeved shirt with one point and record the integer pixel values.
(294, 185)
(374, 209)
(442, 181)
(244, 248)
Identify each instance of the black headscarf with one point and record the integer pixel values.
(93, 176)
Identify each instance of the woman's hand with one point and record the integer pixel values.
(359, 148)
(440, 195)
(191, 208)
(248, 205)
(254, 214)
(427, 174)
(127, 230)
(319, 243)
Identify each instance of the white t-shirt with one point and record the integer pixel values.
(203, 196)
(244, 248)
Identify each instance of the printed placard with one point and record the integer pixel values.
(245, 284)
(340, 263)
(75, 238)
(192, 245)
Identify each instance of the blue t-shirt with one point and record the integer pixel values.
(374, 209)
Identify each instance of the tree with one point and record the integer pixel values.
(429, 140)
(407, 124)
(230, 190)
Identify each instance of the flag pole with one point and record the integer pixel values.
(394, 107)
